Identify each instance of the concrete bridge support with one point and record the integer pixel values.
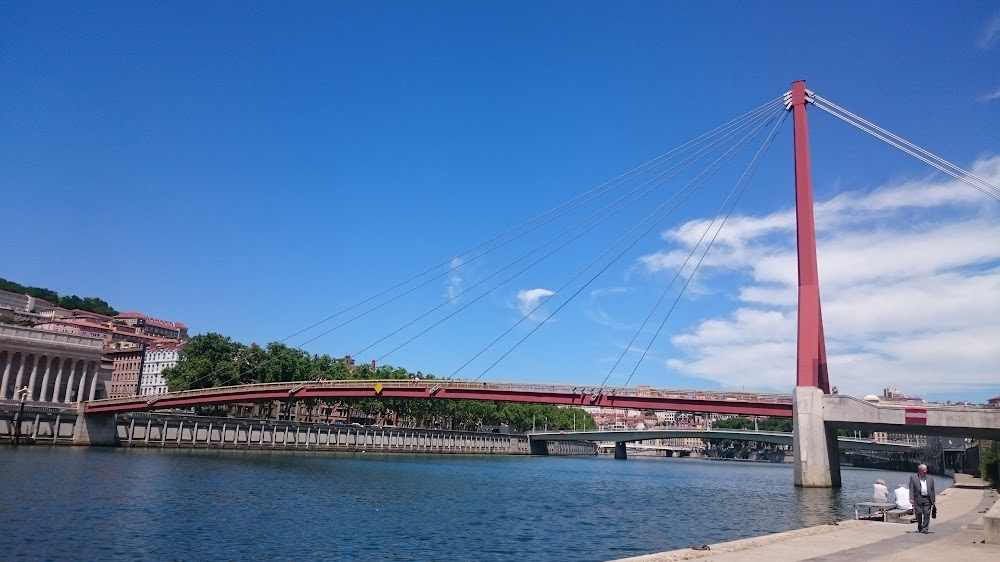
(620, 450)
(816, 455)
(539, 447)
(95, 429)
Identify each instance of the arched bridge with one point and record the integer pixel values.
(698, 401)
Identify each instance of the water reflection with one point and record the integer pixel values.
(821, 506)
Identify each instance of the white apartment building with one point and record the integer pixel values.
(157, 359)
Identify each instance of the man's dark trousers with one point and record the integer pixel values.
(922, 509)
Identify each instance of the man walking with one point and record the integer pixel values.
(922, 497)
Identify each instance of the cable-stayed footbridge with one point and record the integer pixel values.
(815, 412)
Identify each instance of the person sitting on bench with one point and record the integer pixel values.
(902, 494)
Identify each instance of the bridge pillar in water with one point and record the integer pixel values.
(95, 429)
(539, 447)
(815, 452)
(620, 450)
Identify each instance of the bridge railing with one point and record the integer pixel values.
(900, 406)
(464, 385)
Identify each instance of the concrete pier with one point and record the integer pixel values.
(620, 452)
(95, 429)
(814, 444)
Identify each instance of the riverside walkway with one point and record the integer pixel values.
(956, 534)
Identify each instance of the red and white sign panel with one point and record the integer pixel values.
(916, 415)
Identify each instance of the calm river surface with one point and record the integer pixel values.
(63, 503)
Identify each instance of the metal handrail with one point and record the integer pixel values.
(926, 406)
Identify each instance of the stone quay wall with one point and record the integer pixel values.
(39, 424)
(57, 426)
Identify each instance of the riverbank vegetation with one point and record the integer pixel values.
(989, 462)
(212, 359)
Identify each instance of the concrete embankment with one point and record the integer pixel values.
(54, 426)
(957, 534)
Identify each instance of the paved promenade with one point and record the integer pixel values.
(959, 508)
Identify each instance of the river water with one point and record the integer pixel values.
(71, 503)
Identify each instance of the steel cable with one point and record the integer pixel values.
(748, 174)
(601, 190)
(728, 156)
(697, 156)
(994, 194)
(903, 141)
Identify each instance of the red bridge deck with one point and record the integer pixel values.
(700, 401)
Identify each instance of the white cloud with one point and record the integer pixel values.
(991, 34)
(910, 283)
(455, 284)
(995, 95)
(529, 299)
(596, 311)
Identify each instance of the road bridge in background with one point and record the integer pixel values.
(620, 438)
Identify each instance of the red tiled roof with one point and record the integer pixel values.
(72, 322)
(152, 321)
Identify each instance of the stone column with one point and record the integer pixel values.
(71, 379)
(6, 375)
(80, 396)
(817, 460)
(57, 386)
(20, 374)
(43, 392)
(93, 382)
(34, 377)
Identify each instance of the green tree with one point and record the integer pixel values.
(209, 360)
(733, 423)
(8, 319)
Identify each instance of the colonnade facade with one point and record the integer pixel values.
(53, 367)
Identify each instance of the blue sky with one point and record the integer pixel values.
(254, 169)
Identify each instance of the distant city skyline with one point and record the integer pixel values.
(255, 171)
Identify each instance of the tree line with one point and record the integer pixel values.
(783, 425)
(71, 302)
(212, 359)
(763, 424)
